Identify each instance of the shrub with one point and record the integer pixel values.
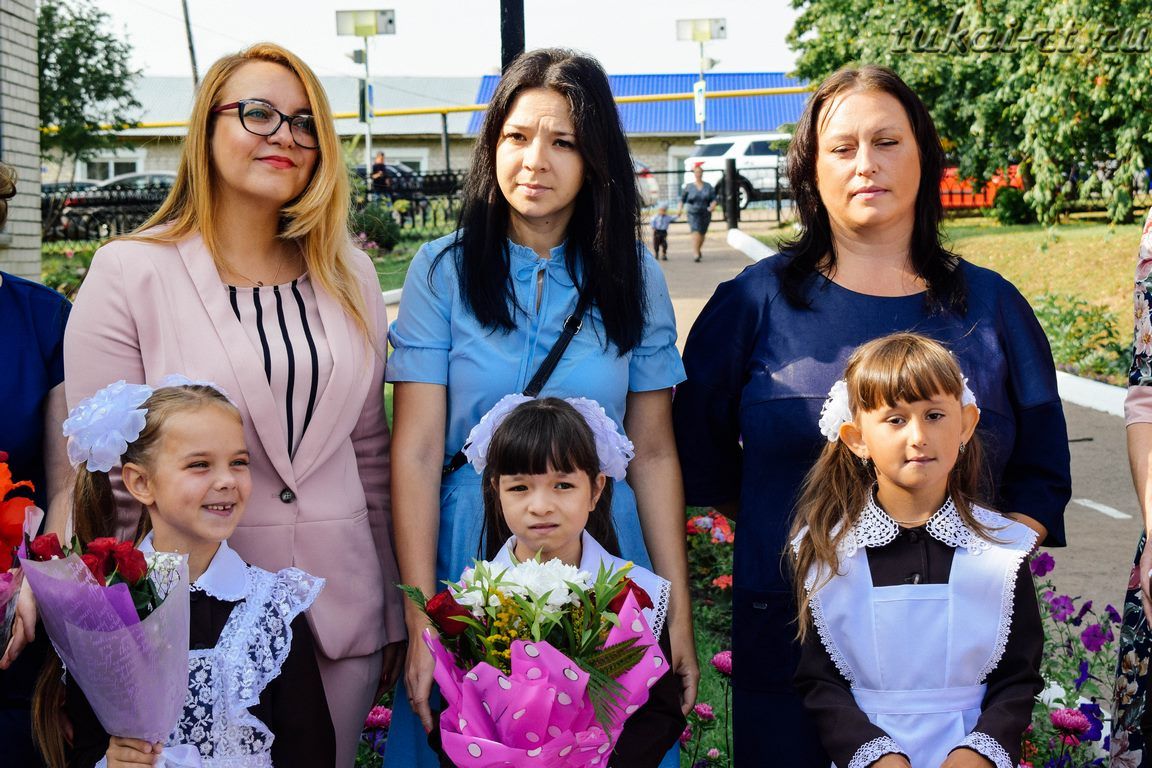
(374, 227)
(64, 264)
(1010, 207)
(1086, 338)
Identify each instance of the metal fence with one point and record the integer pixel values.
(95, 214)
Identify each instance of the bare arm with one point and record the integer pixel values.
(420, 413)
(655, 478)
(1140, 461)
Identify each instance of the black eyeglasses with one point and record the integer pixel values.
(260, 117)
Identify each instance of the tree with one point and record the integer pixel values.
(85, 79)
(1057, 87)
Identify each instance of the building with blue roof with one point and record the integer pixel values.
(661, 133)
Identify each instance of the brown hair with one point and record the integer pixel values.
(317, 220)
(813, 250)
(94, 516)
(539, 436)
(902, 367)
(7, 190)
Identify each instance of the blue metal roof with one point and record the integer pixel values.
(747, 114)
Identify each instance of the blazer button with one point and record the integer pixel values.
(287, 496)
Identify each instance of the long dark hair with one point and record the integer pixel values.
(540, 436)
(899, 367)
(813, 251)
(604, 233)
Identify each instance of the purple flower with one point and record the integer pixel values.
(1083, 676)
(1083, 610)
(1095, 720)
(1062, 607)
(1113, 614)
(1042, 564)
(1095, 636)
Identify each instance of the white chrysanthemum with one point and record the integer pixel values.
(551, 578)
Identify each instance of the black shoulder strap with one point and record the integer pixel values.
(572, 325)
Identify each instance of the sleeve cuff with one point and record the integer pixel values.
(873, 750)
(1138, 405)
(651, 369)
(420, 364)
(987, 747)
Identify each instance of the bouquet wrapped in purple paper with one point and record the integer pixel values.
(119, 622)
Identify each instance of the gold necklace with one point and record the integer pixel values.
(258, 283)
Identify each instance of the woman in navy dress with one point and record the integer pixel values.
(32, 319)
(865, 166)
(551, 213)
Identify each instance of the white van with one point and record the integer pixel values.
(760, 162)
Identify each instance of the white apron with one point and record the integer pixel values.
(917, 655)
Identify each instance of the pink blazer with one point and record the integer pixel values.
(146, 310)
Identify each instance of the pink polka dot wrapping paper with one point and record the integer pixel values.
(540, 714)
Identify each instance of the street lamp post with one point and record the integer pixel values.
(700, 31)
(366, 24)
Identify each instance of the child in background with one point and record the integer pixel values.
(927, 641)
(659, 226)
(254, 691)
(548, 492)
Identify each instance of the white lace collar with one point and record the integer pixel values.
(225, 578)
(876, 528)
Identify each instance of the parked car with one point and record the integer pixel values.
(646, 183)
(760, 163)
(52, 197)
(117, 205)
(403, 182)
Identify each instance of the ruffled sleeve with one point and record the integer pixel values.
(656, 363)
(422, 333)
(706, 409)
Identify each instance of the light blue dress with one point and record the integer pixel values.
(438, 341)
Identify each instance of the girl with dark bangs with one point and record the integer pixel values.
(548, 248)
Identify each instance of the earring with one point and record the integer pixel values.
(963, 447)
(865, 462)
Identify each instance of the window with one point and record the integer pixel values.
(105, 165)
(760, 148)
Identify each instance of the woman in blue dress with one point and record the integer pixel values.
(551, 213)
(865, 167)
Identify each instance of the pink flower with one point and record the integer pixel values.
(713, 754)
(723, 582)
(686, 736)
(723, 663)
(378, 717)
(1070, 723)
(704, 712)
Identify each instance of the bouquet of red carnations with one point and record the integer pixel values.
(119, 621)
(540, 663)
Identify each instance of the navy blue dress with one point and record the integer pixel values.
(746, 419)
(32, 321)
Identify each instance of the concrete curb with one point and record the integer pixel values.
(748, 245)
(392, 296)
(1091, 394)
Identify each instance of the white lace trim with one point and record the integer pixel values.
(825, 634)
(223, 682)
(989, 748)
(876, 528)
(1007, 609)
(660, 609)
(874, 750)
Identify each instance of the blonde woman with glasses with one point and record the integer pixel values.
(246, 277)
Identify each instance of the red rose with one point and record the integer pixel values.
(96, 565)
(45, 547)
(130, 562)
(101, 547)
(443, 609)
(642, 599)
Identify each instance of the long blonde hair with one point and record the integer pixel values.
(902, 367)
(317, 220)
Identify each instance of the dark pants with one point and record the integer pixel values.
(659, 242)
